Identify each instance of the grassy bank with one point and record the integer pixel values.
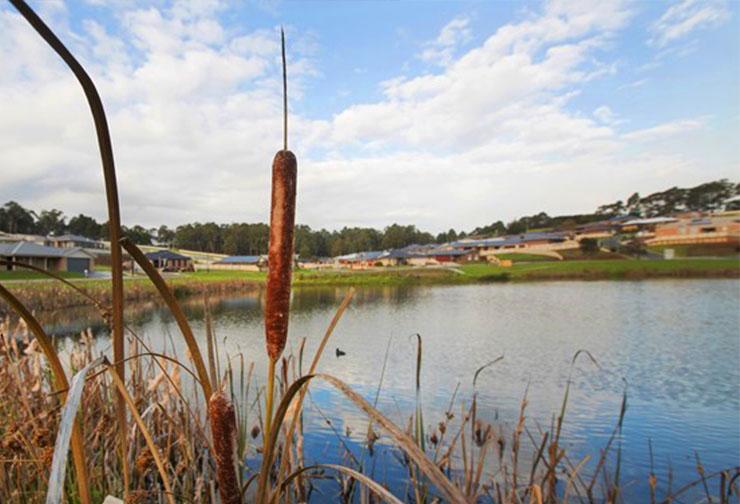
(619, 269)
(40, 294)
(33, 275)
(622, 269)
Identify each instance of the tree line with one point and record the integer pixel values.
(252, 239)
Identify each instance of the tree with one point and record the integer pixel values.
(633, 205)
(165, 236)
(495, 229)
(589, 246)
(87, 226)
(16, 219)
(710, 196)
(137, 234)
(51, 222)
(612, 209)
(449, 236)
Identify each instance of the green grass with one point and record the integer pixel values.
(220, 275)
(614, 269)
(606, 269)
(700, 250)
(516, 257)
(33, 275)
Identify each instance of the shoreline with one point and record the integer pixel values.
(48, 294)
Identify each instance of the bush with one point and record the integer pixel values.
(589, 246)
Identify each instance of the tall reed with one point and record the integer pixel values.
(280, 254)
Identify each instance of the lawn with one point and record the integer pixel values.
(614, 269)
(33, 275)
(220, 275)
(516, 257)
(606, 269)
(700, 250)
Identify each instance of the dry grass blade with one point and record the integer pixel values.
(61, 385)
(314, 364)
(111, 193)
(484, 366)
(272, 433)
(176, 311)
(430, 470)
(144, 431)
(405, 442)
(64, 434)
(373, 485)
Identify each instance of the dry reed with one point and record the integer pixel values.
(169, 455)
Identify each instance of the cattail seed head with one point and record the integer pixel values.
(223, 428)
(280, 255)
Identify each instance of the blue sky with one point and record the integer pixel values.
(436, 113)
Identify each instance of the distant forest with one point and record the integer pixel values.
(252, 239)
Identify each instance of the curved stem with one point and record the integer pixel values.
(111, 192)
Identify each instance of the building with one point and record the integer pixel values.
(441, 255)
(18, 237)
(360, 260)
(73, 241)
(524, 243)
(645, 228)
(54, 259)
(721, 228)
(167, 260)
(241, 263)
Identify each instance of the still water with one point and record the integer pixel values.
(675, 344)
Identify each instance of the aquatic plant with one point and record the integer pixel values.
(181, 449)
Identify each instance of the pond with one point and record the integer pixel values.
(673, 346)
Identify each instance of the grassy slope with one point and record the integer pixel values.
(470, 273)
(516, 257)
(607, 269)
(32, 275)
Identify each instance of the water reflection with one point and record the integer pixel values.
(676, 343)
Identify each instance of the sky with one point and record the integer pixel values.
(442, 114)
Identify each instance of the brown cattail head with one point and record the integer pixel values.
(280, 256)
(223, 428)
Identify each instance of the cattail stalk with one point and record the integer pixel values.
(280, 254)
(223, 429)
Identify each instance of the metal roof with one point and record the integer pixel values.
(30, 249)
(240, 259)
(70, 237)
(651, 220)
(165, 254)
(512, 239)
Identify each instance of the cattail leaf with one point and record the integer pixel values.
(373, 485)
(64, 434)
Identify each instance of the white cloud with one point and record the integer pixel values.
(605, 115)
(665, 130)
(195, 115)
(453, 35)
(685, 17)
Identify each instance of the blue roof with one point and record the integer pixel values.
(240, 259)
(512, 239)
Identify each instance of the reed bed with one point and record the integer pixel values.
(149, 426)
(481, 460)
